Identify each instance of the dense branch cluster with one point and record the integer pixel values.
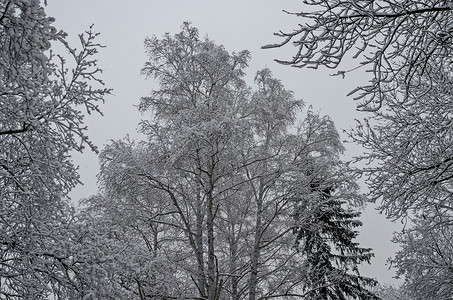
(425, 259)
(398, 41)
(42, 105)
(411, 148)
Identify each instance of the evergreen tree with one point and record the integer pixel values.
(325, 235)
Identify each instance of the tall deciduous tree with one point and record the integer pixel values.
(190, 156)
(409, 151)
(41, 120)
(209, 190)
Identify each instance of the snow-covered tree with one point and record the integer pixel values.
(42, 102)
(325, 235)
(273, 110)
(409, 156)
(425, 260)
(410, 170)
(410, 151)
(190, 157)
(407, 47)
(398, 41)
(325, 211)
(115, 256)
(208, 190)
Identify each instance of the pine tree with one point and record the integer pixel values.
(325, 235)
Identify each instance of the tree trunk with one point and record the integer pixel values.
(256, 249)
(201, 279)
(233, 266)
(212, 290)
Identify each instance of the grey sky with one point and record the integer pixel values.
(237, 25)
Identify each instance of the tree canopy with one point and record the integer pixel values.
(211, 190)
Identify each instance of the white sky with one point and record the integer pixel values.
(236, 24)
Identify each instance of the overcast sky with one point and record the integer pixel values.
(236, 24)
